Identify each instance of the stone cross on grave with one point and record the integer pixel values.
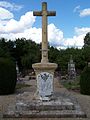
(44, 13)
(44, 70)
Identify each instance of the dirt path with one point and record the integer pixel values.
(83, 100)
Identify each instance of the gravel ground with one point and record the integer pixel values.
(83, 100)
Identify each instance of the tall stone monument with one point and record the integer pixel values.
(44, 70)
(71, 69)
(60, 107)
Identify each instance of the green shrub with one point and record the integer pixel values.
(85, 81)
(8, 76)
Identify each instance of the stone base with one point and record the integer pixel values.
(58, 107)
(39, 67)
(44, 76)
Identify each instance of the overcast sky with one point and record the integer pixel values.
(68, 28)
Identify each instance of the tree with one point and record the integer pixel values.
(87, 40)
(86, 47)
(4, 50)
(19, 52)
(32, 54)
(26, 52)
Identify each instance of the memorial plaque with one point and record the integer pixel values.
(45, 84)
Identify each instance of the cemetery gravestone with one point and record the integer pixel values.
(71, 69)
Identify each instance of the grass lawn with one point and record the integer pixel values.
(20, 85)
(72, 85)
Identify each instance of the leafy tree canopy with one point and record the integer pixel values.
(26, 52)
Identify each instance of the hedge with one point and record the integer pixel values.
(8, 76)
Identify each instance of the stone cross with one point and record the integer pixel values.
(44, 13)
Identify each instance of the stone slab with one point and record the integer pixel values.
(46, 114)
(60, 107)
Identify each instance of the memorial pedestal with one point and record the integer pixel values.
(44, 76)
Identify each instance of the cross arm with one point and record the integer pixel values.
(51, 13)
(37, 13)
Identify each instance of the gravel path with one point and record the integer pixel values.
(83, 100)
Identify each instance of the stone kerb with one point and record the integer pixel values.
(45, 76)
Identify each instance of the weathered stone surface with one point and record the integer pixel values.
(44, 13)
(47, 114)
(45, 84)
(44, 87)
(58, 107)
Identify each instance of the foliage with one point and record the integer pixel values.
(19, 86)
(87, 40)
(7, 76)
(32, 54)
(86, 52)
(62, 57)
(73, 85)
(86, 47)
(85, 81)
(4, 51)
(26, 52)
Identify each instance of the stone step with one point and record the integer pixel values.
(45, 106)
(57, 108)
(46, 114)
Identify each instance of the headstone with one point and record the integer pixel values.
(44, 70)
(88, 64)
(71, 69)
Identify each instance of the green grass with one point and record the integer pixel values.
(72, 85)
(19, 86)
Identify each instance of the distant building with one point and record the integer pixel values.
(71, 69)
